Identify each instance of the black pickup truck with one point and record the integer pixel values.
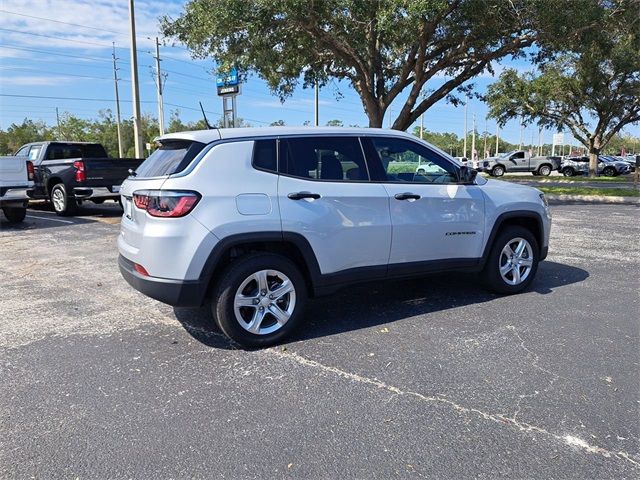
(69, 173)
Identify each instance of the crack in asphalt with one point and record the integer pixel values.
(500, 419)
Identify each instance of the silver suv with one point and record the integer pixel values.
(255, 221)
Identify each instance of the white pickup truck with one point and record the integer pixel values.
(16, 182)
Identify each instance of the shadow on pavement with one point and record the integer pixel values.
(373, 304)
(40, 215)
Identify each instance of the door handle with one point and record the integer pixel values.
(406, 196)
(301, 195)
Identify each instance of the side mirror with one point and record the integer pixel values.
(467, 175)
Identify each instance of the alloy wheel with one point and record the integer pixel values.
(264, 302)
(57, 197)
(516, 261)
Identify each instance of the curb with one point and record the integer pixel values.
(561, 199)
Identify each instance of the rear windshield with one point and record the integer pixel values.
(59, 151)
(172, 157)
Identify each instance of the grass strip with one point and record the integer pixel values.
(599, 192)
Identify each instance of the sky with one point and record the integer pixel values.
(62, 49)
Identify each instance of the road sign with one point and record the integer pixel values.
(558, 138)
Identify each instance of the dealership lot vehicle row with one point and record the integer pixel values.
(431, 376)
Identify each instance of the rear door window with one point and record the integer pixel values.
(323, 158)
(62, 151)
(173, 156)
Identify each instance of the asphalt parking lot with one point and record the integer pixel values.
(431, 377)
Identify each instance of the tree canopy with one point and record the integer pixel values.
(592, 88)
(387, 49)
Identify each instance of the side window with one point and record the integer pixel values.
(34, 152)
(23, 152)
(323, 158)
(518, 156)
(264, 155)
(400, 160)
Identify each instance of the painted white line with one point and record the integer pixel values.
(51, 219)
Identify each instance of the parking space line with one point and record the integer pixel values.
(51, 219)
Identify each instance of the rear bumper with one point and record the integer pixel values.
(179, 293)
(18, 196)
(87, 193)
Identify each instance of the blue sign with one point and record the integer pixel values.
(229, 79)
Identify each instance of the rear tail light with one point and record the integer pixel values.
(166, 203)
(81, 175)
(31, 173)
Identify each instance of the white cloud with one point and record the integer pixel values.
(33, 80)
(106, 21)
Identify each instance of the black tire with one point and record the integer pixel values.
(231, 280)
(497, 171)
(609, 172)
(568, 172)
(535, 174)
(491, 272)
(98, 201)
(63, 205)
(544, 170)
(14, 214)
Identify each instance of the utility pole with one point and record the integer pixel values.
(159, 81)
(135, 91)
(497, 138)
(539, 141)
(58, 120)
(316, 112)
(473, 139)
(484, 154)
(115, 81)
(422, 126)
(465, 130)
(521, 135)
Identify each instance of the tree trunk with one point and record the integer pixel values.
(594, 152)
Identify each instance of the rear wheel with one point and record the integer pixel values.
(568, 172)
(62, 204)
(259, 299)
(497, 171)
(14, 214)
(513, 260)
(544, 170)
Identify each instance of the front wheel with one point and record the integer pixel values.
(259, 299)
(609, 172)
(568, 172)
(513, 261)
(62, 204)
(497, 171)
(14, 214)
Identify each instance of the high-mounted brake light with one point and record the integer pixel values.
(31, 173)
(81, 175)
(166, 203)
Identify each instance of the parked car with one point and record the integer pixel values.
(629, 160)
(612, 167)
(580, 166)
(68, 173)
(519, 161)
(16, 181)
(257, 220)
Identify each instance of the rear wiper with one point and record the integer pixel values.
(132, 173)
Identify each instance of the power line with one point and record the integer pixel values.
(82, 99)
(63, 23)
(12, 67)
(14, 47)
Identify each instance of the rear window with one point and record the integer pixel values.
(173, 156)
(61, 151)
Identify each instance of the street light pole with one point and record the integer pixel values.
(135, 90)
